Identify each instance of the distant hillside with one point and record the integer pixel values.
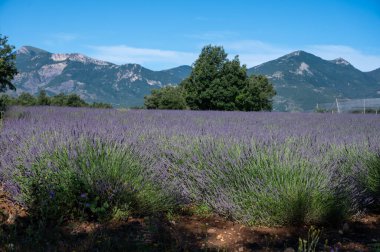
(93, 80)
(375, 74)
(302, 80)
(182, 71)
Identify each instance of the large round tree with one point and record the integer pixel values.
(217, 83)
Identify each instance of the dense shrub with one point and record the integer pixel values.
(5, 101)
(269, 185)
(89, 181)
(42, 99)
(166, 98)
(370, 177)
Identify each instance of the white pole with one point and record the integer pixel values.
(364, 106)
(337, 105)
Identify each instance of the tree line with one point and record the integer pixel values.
(42, 99)
(215, 83)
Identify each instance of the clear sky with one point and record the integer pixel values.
(168, 33)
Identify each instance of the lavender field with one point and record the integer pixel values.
(254, 168)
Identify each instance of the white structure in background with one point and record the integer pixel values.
(368, 105)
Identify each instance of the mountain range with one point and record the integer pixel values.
(94, 80)
(301, 79)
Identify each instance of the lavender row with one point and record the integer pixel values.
(271, 168)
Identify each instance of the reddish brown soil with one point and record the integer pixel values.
(9, 210)
(185, 233)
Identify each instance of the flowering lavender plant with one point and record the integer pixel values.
(256, 168)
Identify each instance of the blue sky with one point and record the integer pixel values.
(164, 34)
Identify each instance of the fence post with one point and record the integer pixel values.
(337, 105)
(364, 105)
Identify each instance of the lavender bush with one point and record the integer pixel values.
(256, 168)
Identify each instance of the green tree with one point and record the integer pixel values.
(7, 64)
(224, 89)
(43, 99)
(204, 76)
(215, 81)
(5, 101)
(58, 100)
(152, 101)
(257, 95)
(166, 98)
(26, 99)
(74, 100)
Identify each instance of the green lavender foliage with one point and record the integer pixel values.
(255, 168)
(101, 181)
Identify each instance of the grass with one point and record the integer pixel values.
(310, 243)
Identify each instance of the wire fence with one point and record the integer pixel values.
(368, 105)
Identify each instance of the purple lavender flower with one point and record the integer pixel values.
(205, 156)
(51, 194)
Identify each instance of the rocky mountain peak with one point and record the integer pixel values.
(30, 50)
(341, 61)
(78, 58)
(298, 53)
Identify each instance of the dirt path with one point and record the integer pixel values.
(184, 233)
